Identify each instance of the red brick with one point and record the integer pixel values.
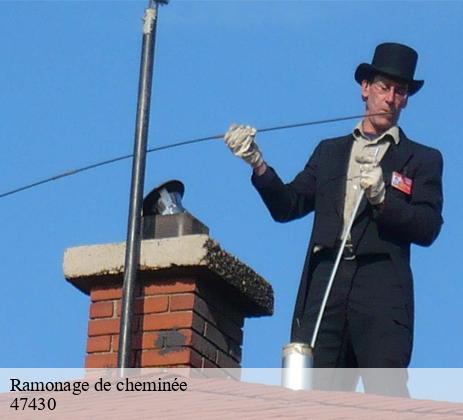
(157, 340)
(159, 287)
(225, 361)
(174, 338)
(103, 360)
(115, 342)
(205, 348)
(174, 357)
(147, 305)
(208, 364)
(136, 341)
(155, 304)
(196, 359)
(99, 344)
(180, 302)
(103, 326)
(101, 309)
(222, 341)
(106, 293)
(168, 321)
(219, 319)
(198, 324)
(188, 334)
(163, 358)
(148, 341)
(216, 336)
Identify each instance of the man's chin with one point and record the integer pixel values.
(384, 123)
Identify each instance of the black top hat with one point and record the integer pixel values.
(396, 61)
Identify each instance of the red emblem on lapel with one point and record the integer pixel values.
(402, 183)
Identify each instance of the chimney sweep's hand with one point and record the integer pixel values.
(371, 179)
(241, 141)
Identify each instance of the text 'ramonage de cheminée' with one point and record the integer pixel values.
(77, 387)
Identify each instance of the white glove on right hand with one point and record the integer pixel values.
(241, 141)
(371, 179)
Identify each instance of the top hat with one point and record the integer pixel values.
(396, 61)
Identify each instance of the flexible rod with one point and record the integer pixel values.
(171, 146)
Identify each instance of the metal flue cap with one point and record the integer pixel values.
(165, 199)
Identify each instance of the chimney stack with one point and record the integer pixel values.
(191, 301)
(191, 296)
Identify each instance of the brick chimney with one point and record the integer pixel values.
(191, 301)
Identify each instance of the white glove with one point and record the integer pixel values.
(371, 179)
(241, 141)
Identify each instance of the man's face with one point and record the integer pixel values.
(383, 95)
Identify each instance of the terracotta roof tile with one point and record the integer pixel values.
(229, 399)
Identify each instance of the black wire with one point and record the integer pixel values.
(171, 146)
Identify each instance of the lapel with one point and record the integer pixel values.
(395, 159)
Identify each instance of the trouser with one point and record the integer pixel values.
(364, 326)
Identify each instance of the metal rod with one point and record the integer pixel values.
(336, 265)
(334, 270)
(133, 244)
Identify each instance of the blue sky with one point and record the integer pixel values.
(69, 79)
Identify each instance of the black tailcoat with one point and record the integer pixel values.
(403, 219)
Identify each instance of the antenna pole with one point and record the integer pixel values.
(133, 244)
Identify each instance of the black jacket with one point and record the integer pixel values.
(404, 219)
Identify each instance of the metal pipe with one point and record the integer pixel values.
(296, 365)
(133, 244)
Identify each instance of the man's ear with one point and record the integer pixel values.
(405, 103)
(365, 89)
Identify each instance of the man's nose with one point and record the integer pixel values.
(390, 95)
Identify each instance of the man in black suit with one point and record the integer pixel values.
(368, 321)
